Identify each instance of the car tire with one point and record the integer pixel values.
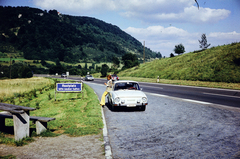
(143, 108)
(112, 107)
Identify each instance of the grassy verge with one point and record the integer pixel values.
(75, 116)
(218, 64)
(187, 83)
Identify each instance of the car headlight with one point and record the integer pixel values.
(144, 99)
(117, 100)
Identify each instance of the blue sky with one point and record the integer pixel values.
(162, 24)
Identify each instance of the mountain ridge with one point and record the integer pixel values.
(50, 35)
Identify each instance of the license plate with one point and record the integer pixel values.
(131, 105)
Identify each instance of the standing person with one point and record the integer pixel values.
(109, 86)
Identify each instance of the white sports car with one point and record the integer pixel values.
(127, 94)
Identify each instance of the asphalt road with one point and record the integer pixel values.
(224, 97)
(172, 128)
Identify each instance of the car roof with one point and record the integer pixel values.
(125, 81)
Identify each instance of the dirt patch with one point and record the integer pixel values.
(58, 147)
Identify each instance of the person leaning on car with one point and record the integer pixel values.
(109, 86)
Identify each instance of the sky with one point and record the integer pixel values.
(161, 24)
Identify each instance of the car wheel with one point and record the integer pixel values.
(113, 108)
(143, 108)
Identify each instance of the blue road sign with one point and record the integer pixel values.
(69, 87)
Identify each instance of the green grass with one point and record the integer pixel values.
(218, 64)
(15, 59)
(75, 116)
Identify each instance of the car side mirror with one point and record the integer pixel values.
(141, 89)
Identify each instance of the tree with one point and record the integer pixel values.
(115, 62)
(43, 62)
(58, 62)
(53, 12)
(179, 49)
(85, 67)
(129, 60)
(158, 55)
(203, 43)
(104, 70)
(172, 55)
(98, 69)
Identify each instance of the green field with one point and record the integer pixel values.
(15, 59)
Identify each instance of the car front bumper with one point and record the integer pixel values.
(130, 104)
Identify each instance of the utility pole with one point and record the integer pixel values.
(143, 51)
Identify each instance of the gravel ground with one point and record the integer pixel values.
(87, 147)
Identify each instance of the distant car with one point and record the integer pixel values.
(127, 94)
(89, 78)
(115, 77)
(63, 75)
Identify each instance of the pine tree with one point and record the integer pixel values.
(203, 43)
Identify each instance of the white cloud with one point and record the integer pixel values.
(230, 35)
(164, 40)
(77, 6)
(151, 11)
(188, 14)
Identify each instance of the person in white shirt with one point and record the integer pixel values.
(109, 87)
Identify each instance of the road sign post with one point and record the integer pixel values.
(67, 87)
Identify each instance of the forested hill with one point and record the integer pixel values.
(50, 35)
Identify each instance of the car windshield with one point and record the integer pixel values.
(126, 85)
(89, 75)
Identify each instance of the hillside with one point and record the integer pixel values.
(49, 35)
(218, 64)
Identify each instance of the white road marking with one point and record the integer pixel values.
(159, 95)
(108, 150)
(152, 86)
(196, 101)
(198, 87)
(221, 95)
(187, 100)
